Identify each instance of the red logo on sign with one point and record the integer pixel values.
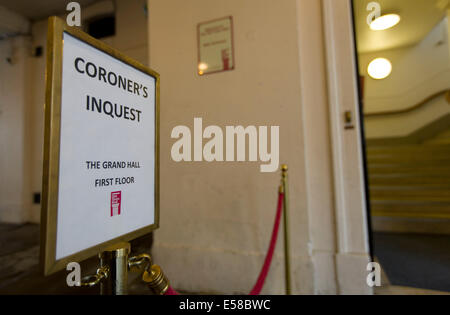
(116, 199)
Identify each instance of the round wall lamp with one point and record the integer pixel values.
(379, 68)
(384, 22)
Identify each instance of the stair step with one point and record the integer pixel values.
(431, 158)
(389, 196)
(442, 138)
(411, 189)
(410, 164)
(417, 171)
(410, 209)
(412, 199)
(409, 167)
(378, 191)
(413, 181)
(440, 141)
(410, 180)
(418, 148)
(413, 148)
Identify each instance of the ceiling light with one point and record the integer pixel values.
(384, 22)
(379, 68)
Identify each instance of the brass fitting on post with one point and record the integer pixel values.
(142, 261)
(156, 280)
(152, 274)
(284, 169)
(102, 274)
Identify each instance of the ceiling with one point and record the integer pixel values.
(36, 10)
(418, 17)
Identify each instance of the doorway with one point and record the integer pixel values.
(403, 57)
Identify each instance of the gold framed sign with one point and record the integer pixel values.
(101, 148)
(215, 46)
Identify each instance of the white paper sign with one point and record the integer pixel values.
(107, 149)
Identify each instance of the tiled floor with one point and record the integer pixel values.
(20, 273)
(415, 260)
(399, 290)
(19, 266)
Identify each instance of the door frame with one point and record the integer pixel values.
(348, 147)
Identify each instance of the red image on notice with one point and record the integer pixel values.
(116, 199)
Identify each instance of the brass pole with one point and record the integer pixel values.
(287, 265)
(116, 259)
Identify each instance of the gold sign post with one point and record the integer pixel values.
(112, 276)
(116, 259)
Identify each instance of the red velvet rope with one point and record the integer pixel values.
(265, 268)
(273, 241)
(170, 291)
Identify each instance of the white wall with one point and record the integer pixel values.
(216, 218)
(405, 124)
(418, 72)
(14, 198)
(131, 29)
(36, 90)
(12, 23)
(24, 88)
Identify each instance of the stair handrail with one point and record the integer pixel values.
(411, 108)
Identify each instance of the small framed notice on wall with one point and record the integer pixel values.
(215, 46)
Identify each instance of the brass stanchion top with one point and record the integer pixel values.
(125, 246)
(121, 249)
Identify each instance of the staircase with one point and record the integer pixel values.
(411, 183)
